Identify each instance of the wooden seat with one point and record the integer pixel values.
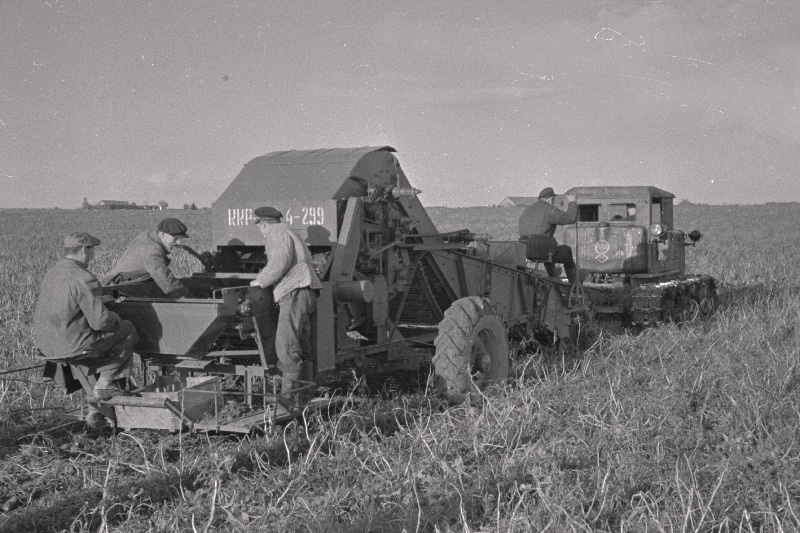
(86, 375)
(79, 373)
(538, 261)
(539, 250)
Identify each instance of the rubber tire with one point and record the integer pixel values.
(470, 337)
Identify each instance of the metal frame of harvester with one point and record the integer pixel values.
(397, 293)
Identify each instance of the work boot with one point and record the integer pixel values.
(289, 384)
(572, 274)
(288, 381)
(95, 421)
(307, 376)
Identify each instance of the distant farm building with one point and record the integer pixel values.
(516, 201)
(114, 204)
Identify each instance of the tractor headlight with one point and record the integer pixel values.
(657, 230)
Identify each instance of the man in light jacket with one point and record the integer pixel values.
(295, 284)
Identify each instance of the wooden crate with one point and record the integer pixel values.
(171, 402)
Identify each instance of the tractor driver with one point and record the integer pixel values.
(147, 257)
(538, 223)
(295, 287)
(71, 324)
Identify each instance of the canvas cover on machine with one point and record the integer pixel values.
(305, 186)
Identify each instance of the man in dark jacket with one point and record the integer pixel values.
(538, 223)
(147, 258)
(71, 324)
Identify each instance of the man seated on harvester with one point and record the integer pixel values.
(72, 325)
(538, 223)
(147, 259)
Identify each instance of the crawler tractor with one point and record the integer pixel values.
(631, 258)
(397, 294)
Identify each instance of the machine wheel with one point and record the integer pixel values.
(471, 349)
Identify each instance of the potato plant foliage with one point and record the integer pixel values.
(677, 428)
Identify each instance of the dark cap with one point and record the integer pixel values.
(73, 240)
(547, 192)
(174, 227)
(266, 212)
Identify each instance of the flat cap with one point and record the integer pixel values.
(73, 240)
(547, 192)
(174, 227)
(266, 212)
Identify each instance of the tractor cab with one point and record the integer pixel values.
(625, 232)
(624, 205)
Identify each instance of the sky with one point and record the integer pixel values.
(147, 101)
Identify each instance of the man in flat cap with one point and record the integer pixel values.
(538, 223)
(295, 284)
(147, 258)
(71, 324)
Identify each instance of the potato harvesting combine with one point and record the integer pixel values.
(397, 294)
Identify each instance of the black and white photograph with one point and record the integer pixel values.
(325, 266)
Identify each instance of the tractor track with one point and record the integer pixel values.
(678, 300)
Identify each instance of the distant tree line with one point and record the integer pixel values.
(121, 204)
